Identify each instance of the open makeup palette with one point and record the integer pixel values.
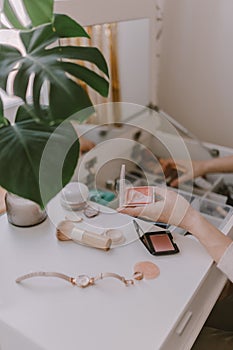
(133, 196)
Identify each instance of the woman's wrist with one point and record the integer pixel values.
(193, 222)
(200, 227)
(215, 165)
(207, 166)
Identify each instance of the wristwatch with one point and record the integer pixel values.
(82, 281)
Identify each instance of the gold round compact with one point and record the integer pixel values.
(148, 269)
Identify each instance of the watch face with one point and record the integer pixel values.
(82, 281)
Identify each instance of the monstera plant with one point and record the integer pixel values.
(45, 74)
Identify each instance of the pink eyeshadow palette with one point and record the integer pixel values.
(157, 242)
(136, 196)
(133, 196)
(160, 243)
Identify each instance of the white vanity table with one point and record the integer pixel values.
(166, 313)
(48, 313)
(162, 314)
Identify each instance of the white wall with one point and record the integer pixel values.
(196, 72)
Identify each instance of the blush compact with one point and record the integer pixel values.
(161, 243)
(136, 196)
(157, 242)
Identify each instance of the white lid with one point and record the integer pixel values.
(74, 195)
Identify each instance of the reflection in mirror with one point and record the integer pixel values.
(125, 46)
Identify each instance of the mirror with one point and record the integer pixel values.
(138, 25)
(133, 61)
(125, 46)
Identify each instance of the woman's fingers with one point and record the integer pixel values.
(169, 207)
(181, 179)
(132, 211)
(151, 211)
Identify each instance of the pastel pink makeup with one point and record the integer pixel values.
(161, 242)
(139, 196)
(133, 196)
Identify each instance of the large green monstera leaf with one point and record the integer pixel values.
(41, 64)
(38, 11)
(22, 148)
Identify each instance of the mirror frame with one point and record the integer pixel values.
(89, 12)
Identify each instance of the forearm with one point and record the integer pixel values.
(214, 241)
(219, 165)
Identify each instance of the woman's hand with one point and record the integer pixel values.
(175, 210)
(189, 169)
(170, 208)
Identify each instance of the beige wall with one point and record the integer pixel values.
(196, 72)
